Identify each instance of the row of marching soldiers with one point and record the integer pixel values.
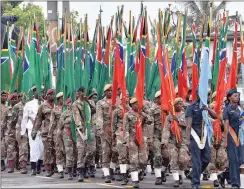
(112, 138)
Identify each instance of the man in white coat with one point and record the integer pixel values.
(36, 146)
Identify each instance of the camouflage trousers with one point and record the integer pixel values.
(11, 148)
(160, 157)
(122, 150)
(86, 151)
(60, 151)
(48, 152)
(70, 148)
(179, 157)
(99, 152)
(3, 148)
(23, 148)
(109, 153)
(137, 155)
(219, 160)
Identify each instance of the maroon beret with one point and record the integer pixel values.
(12, 96)
(50, 91)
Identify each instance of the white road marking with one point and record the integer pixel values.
(113, 186)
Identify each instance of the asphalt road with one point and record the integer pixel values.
(17, 180)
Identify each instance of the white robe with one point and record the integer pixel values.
(36, 146)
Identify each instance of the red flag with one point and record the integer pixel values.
(233, 69)
(108, 41)
(139, 132)
(182, 77)
(217, 130)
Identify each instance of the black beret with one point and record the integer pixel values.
(231, 92)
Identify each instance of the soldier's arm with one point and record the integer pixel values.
(188, 115)
(92, 106)
(99, 123)
(115, 121)
(182, 120)
(77, 118)
(20, 116)
(60, 125)
(166, 130)
(127, 127)
(14, 118)
(38, 121)
(24, 120)
(4, 122)
(52, 124)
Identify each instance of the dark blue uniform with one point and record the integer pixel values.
(200, 157)
(232, 113)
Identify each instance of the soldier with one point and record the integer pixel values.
(43, 119)
(4, 98)
(179, 152)
(10, 133)
(231, 117)
(22, 141)
(85, 146)
(118, 137)
(159, 157)
(36, 146)
(200, 150)
(137, 154)
(104, 130)
(64, 131)
(57, 153)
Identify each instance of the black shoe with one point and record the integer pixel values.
(81, 174)
(49, 174)
(221, 179)
(163, 176)
(205, 177)
(23, 171)
(33, 168)
(111, 172)
(92, 171)
(119, 177)
(176, 184)
(189, 175)
(216, 183)
(128, 173)
(141, 176)
(135, 184)
(158, 181)
(70, 174)
(65, 171)
(180, 180)
(152, 172)
(125, 179)
(55, 170)
(2, 165)
(99, 166)
(61, 175)
(33, 172)
(107, 179)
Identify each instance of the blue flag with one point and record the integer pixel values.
(241, 131)
(203, 91)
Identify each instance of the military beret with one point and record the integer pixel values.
(231, 92)
(108, 86)
(81, 89)
(133, 100)
(94, 92)
(158, 93)
(178, 100)
(12, 96)
(60, 94)
(68, 101)
(214, 94)
(33, 88)
(50, 91)
(3, 92)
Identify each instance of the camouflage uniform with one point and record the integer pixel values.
(22, 142)
(103, 126)
(43, 121)
(57, 153)
(86, 149)
(3, 131)
(179, 153)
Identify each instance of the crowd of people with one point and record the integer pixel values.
(106, 136)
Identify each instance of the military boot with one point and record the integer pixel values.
(135, 184)
(125, 179)
(11, 166)
(81, 174)
(107, 179)
(141, 175)
(2, 165)
(176, 184)
(180, 180)
(163, 176)
(61, 175)
(23, 167)
(205, 176)
(92, 171)
(111, 172)
(48, 169)
(33, 168)
(158, 181)
(216, 183)
(70, 174)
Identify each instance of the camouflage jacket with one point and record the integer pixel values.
(55, 117)
(93, 116)
(168, 136)
(10, 126)
(64, 124)
(103, 123)
(43, 119)
(78, 108)
(157, 121)
(17, 115)
(4, 113)
(148, 119)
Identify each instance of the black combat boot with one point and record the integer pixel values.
(135, 184)
(81, 174)
(176, 184)
(205, 176)
(158, 181)
(92, 171)
(107, 179)
(141, 175)
(216, 183)
(2, 165)
(125, 179)
(163, 176)
(180, 180)
(38, 167)
(48, 170)
(111, 172)
(70, 174)
(33, 168)
(61, 175)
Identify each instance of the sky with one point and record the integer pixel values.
(109, 9)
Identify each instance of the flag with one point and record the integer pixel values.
(182, 77)
(242, 52)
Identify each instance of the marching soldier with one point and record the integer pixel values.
(179, 153)
(199, 148)
(65, 132)
(57, 153)
(43, 122)
(118, 137)
(104, 130)
(159, 157)
(10, 134)
(138, 153)
(4, 98)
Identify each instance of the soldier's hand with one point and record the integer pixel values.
(204, 107)
(175, 118)
(33, 136)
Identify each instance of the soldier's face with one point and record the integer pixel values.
(94, 98)
(135, 107)
(4, 98)
(109, 93)
(50, 97)
(61, 100)
(234, 98)
(14, 101)
(178, 106)
(20, 98)
(158, 100)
